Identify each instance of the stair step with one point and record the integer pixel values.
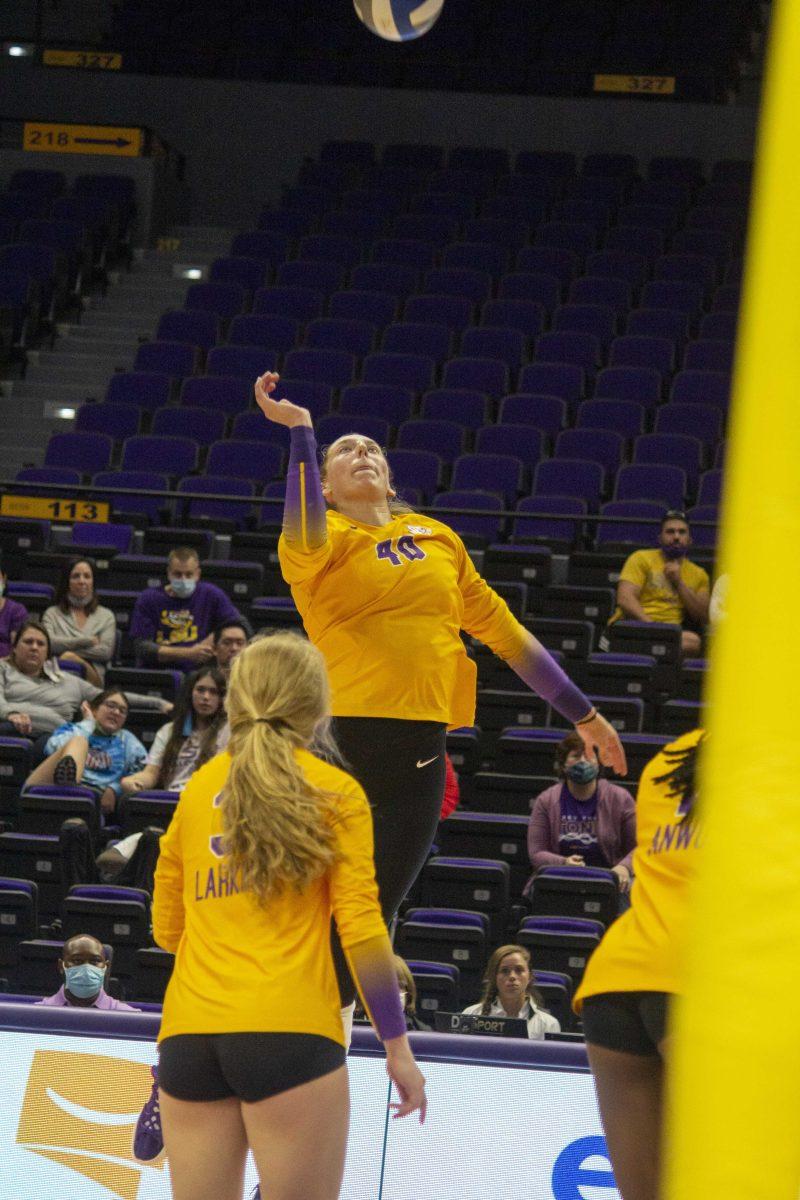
(69, 394)
(75, 345)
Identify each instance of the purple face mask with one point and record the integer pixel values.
(674, 552)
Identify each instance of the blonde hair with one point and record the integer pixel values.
(277, 828)
(394, 503)
(407, 983)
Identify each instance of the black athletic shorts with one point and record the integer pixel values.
(249, 1066)
(634, 1022)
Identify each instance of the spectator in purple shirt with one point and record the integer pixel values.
(84, 967)
(173, 626)
(582, 820)
(12, 616)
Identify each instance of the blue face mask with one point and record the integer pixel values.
(84, 981)
(582, 771)
(183, 588)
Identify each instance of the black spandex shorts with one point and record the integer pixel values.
(249, 1066)
(634, 1022)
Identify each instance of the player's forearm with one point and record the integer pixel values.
(544, 676)
(374, 973)
(304, 524)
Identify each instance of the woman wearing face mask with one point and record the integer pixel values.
(583, 820)
(81, 629)
(384, 593)
(13, 616)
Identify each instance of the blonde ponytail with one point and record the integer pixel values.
(277, 828)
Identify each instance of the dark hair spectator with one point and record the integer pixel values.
(81, 629)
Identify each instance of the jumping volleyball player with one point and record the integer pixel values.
(267, 844)
(625, 992)
(384, 593)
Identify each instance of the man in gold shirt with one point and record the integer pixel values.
(663, 585)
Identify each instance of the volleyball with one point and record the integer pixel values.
(398, 20)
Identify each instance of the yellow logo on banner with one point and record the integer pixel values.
(80, 1110)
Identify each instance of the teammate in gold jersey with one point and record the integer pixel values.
(267, 843)
(384, 593)
(625, 991)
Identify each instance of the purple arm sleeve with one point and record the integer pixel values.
(304, 508)
(373, 970)
(544, 676)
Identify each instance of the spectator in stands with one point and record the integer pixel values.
(230, 639)
(509, 991)
(84, 968)
(451, 789)
(408, 995)
(130, 862)
(36, 697)
(198, 730)
(718, 604)
(582, 820)
(81, 630)
(12, 616)
(96, 752)
(663, 585)
(173, 626)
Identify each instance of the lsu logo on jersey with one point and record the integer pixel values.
(80, 1111)
(420, 530)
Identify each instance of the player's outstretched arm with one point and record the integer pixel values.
(282, 412)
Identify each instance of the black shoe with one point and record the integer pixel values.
(66, 771)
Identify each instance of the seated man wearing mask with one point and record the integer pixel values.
(663, 585)
(173, 626)
(84, 967)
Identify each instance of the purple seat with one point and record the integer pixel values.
(172, 455)
(619, 264)
(509, 234)
(380, 308)
(230, 394)
(559, 164)
(523, 210)
(703, 421)
(712, 243)
(270, 516)
(708, 355)
(268, 245)
(553, 379)
(215, 509)
(595, 445)
(578, 237)
(542, 290)
(655, 216)
(483, 525)
(674, 449)
(331, 247)
(257, 461)
(358, 226)
(560, 262)
(596, 319)
(225, 300)
(580, 349)
(389, 402)
(640, 384)
(701, 387)
(336, 425)
(444, 204)
(641, 240)
(86, 535)
(272, 332)
(464, 406)
(35, 182)
(333, 367)
(299, 303)
(679, 295)
(338, 333)
(64, 475)
(372, 200)
(570, 477)
(506, 345)
(548, 529)
(137, 482)
(611, 166)
(476, 182)
(487, 375)
(453, 311)
(624, 417)
(672, 192)
(246, 361)
(291, 222)
(241, 272)
(395, 278)
(421, 157)
(445, 438)
(546, 413)
(426, 227)
(314, 274)
(724, 218)
(520, 441)
(721, 326)
(195, 326)
(434, 341)
(116, 420)
(693, 268)
(710, 491)
(85, 452)
(176, 359)
(597, 189)
(414, 371)
(654, 353)
(312, 394)
(601, 290)
(203, 425)
(596, 213)
(475, 285)
(704, 535)
(409, 251)
(640, 533)
(253, 426)
(659, 322)
(419, 469)
(479, 158)
(523, 316)
(20, 206)
(665, 484)
(482, 256)
(502, 473)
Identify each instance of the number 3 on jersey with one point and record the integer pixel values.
(393, 549)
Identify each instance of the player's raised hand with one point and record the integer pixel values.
(282, 412)
(601, 737)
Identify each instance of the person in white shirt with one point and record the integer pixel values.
(509, 991)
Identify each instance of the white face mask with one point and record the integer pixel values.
(78, 601)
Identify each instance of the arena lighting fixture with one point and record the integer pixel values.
(18, 49)
(191, 273)
(65, 413)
